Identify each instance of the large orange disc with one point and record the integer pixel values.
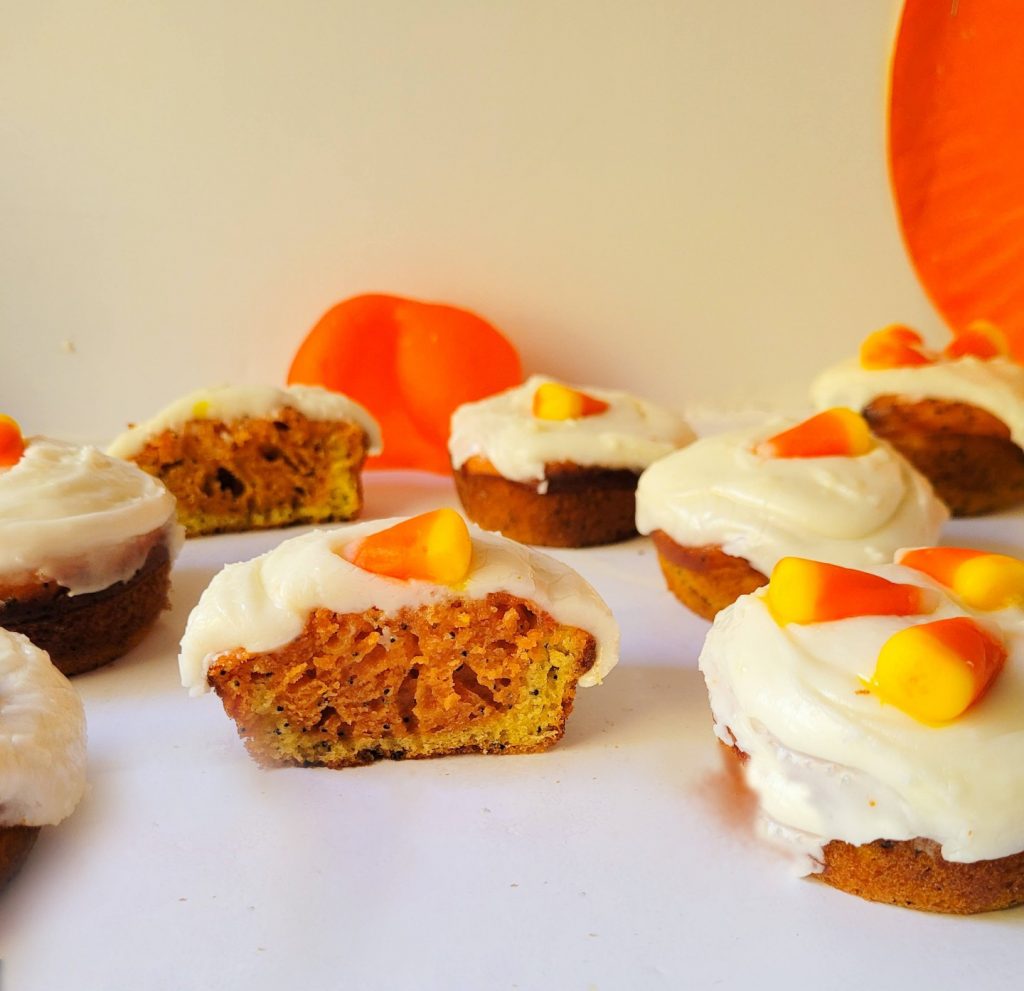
(956, 146)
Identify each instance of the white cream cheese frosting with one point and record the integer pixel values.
(630, 434)
(74, 515)
(829, 761)
(42, 737)
(263, 604)
(235, 402)
(995, 385)
(851, 511)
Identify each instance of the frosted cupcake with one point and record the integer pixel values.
(255, 456)
(957, 416)
(86, 546)
(42, 748)
(397, 639)
(724, 510)
(879, 719)
(546, 463)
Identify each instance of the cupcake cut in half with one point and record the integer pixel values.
(251, 457)
(397, 639)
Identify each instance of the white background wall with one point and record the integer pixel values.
(684, 198)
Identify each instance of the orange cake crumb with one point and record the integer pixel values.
(259, 472)
(486, 675)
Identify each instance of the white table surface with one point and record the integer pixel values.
(619, 859)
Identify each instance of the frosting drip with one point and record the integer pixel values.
(851, 511)
(995, 385)
(262, 604)
(829, 761)
(76, 516)
(227, 403)
(630, 434)
(42, 737)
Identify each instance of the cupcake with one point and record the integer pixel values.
(42, 748)
(958, 416)
(249, 457)
(879, 719)
(86, 546)
(546, 463)
(724, 510)
(397, 639)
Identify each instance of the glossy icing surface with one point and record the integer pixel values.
(262, 604)
(79, 517)
(42, 737)
(630, 434)
(229, 403)
(852, 511)
(828, 760)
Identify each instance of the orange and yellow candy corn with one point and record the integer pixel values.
(803, 591)
(894, 346)
(935, 671)
(553, 401)
(12, 444)
(980, 339)
(434, 547)
(982, 580)
(838, 432)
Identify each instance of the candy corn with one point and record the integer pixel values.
(434, 547)
(894, 346)
(980, 339)
(553, 401)
(838, 432)
(981, 580)
(935, 671)
(803, 591)
(12, 444)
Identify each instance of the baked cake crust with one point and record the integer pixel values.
(914, 874)
(582, 506)
(82, 632)
(965, 452)
(15, 844)
(491, 675)
(259, 472)
(705, 579)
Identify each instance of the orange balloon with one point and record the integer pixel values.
(956, 152)
(410, 364)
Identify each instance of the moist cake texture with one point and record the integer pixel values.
(321, 662)
(252, 457)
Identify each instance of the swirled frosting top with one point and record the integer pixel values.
(233, 402)
(851, 511)
(79, 517)
(992, 384)
(630, 434)
(42, 737)
(263, 604)
(829, 761)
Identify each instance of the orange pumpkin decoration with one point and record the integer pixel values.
(411, 364)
